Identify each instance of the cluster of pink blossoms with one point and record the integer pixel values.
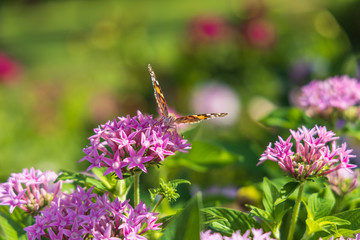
(254, 234)
(313, 157)
(132, 144)
(322, 97)
(30, 190)
(343, 182)
(86, 215)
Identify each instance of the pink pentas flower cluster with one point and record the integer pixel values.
(253, 234)
(86, 215)
(316, 153)
(132, 144)
(30, 190)
(323, 97)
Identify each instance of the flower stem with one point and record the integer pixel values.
(295, 212)
(158, 203)
(136, 189)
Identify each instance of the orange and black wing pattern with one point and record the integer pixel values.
(159, 96)
(198, 117)
(163, 108)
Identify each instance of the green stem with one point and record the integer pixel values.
(158, 203)
(136, 189)
(119, 187)
(295, 212)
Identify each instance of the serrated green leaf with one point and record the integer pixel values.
(233, 220)
(176, 182)
(286, 191)
(185, 225)
(320, 204)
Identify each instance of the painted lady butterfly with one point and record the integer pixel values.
(170, 119)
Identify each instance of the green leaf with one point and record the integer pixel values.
(185, 225)
(326, 224)
(230, 220)
(203, 156)
(320, 204)
(271, 194)
(79, 179)
(286, 191)
(353, 216)
(287, 118)
(11, 229)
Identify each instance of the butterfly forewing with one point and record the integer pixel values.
(198, 117)
(169, 119)
(159, 96)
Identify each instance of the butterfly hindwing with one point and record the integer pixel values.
(159, 96)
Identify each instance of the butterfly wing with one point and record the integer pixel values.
(198, 117)
(159, 96)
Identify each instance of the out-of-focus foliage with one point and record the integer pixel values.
(68, 66)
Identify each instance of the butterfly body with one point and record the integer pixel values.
(170, 119)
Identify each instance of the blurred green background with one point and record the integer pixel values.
(68, 66)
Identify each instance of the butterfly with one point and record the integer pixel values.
(170, 119)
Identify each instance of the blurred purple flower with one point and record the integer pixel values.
(217, 97)
(313, 156)
(30, 190)
(323, 97)
(342, 182)
(253, 234)
(132, 144)
(10, 70)
(83, 213)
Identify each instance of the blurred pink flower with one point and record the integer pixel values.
(208, 29)
(259, 33)
(343, 182)
(10, 70)
(334, 93)
(217, 97)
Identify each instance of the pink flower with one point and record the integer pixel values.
(10, 70)
(316, 153)
(342, 182)
(260, 33)
(132, 144)
(30, 190)
(335, 93)
(83, 213)
(209, 29)
(217, 97)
